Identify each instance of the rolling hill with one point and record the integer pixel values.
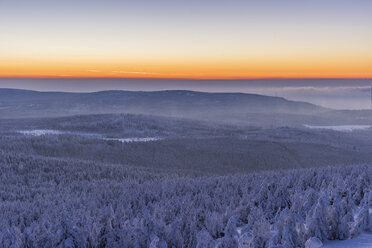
(178, 103)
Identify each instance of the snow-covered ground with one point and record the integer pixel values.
(341, 128)
(127, 140)
(362, 241)
(40, 132)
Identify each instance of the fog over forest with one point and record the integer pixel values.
(331, 93)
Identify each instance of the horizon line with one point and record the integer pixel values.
(193, 79)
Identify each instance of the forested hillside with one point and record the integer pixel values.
(124, 180)
(177, 103)
(47, 202)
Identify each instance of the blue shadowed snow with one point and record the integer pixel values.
(362, 241)
(341, 128)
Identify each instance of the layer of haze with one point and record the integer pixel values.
(186, 39)
(332, 93)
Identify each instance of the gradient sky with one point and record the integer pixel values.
(186, 39)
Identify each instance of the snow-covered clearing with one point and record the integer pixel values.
(127, 140)
(341, 128)
(40, 132)
(364, 240)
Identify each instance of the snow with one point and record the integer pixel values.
(40, 132)
(246, 240)
(313, 243)
(341, 128)
(364, 240)
(128, 140)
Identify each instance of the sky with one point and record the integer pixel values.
(208, 39)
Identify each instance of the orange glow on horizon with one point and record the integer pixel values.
(196, 77)
(189, 70)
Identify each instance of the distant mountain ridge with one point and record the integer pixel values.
(16, 103)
